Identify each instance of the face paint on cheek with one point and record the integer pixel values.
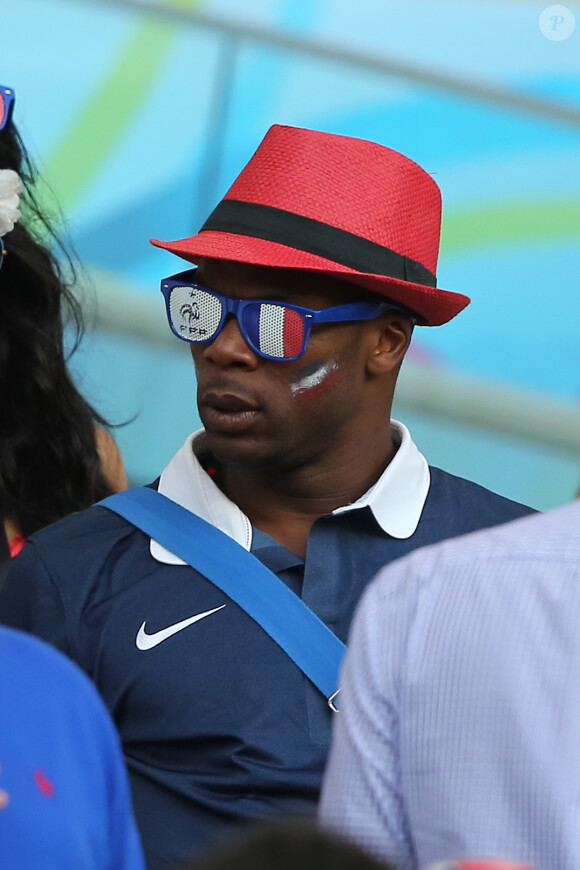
(316, 379)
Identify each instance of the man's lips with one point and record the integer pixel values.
(227, 403)
(227, 413)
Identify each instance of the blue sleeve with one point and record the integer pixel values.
(54, 724)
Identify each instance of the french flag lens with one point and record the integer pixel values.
(195, 314)
(280, 331)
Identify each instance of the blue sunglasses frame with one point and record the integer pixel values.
(336, 314)
(7, 97)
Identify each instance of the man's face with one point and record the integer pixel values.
(280, 415)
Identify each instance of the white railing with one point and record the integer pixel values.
(362, 60)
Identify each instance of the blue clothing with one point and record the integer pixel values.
(460, 716)
(64, 796)
(217, 724)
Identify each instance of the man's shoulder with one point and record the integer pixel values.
(83, 532)
(90, 559)
(533, 537)
(85, 547)
(94, 527)
(89, 521)
(467, 499)
(459, 516)
(525, 547)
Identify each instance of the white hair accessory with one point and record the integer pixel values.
(10, 190)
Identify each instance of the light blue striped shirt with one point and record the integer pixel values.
(459, 730)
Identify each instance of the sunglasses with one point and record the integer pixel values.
(273, 330)
(6, 105)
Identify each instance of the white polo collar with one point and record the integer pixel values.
(396, 499)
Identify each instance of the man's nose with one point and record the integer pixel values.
(230, 347)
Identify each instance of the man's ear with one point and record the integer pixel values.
(391, 340)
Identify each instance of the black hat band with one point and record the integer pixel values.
(314, 237)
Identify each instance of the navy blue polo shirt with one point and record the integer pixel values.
(217, 724)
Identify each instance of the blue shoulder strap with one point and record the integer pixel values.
(282, 614)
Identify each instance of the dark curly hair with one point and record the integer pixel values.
(49, 465)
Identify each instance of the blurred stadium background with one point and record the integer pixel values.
(141, 112)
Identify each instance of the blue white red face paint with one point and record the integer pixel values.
(315, 379)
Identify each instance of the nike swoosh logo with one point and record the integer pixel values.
(148, 641)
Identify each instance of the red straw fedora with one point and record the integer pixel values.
(338, 206)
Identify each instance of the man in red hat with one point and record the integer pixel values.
(311, 274)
